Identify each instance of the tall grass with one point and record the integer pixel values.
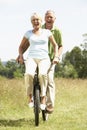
(70, 112)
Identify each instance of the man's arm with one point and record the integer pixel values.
(55, 46)
(60, 49)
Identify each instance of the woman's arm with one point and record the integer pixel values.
(22, 48)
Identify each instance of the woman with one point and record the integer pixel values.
(37, 41)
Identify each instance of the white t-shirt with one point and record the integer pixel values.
(38, 44)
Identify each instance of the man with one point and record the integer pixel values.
(49, 24)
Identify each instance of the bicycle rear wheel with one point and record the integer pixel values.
(44, 115)
(36, 104)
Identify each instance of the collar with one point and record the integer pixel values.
(44, 26)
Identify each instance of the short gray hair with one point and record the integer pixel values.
(50, 11)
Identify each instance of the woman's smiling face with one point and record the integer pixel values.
(36, 20)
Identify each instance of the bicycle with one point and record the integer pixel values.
(37, 99)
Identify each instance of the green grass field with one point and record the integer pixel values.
(70, 111)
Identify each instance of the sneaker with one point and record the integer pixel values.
(42, 106)
(31, 104)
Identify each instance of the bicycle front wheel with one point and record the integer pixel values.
(36, 104)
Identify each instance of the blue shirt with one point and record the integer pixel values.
(38, 43)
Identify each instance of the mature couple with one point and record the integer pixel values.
(45, 47)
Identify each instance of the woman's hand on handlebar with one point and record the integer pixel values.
(20, 59)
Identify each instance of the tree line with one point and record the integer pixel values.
(72, 65)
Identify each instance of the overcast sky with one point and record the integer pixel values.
(71, 18)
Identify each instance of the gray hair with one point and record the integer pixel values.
(50, 11)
